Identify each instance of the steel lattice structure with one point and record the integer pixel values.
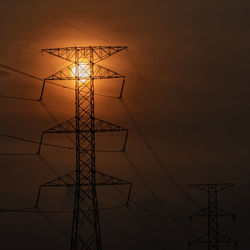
(213, 238)
(86, 232)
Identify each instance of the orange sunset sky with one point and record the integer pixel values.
(187, 89)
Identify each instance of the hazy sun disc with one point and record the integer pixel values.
(83, 72)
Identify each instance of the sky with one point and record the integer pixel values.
(187, 74)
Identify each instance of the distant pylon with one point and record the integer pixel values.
(213, 238)
(86, 232)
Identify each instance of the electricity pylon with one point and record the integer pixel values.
(213, 238)
(86, 232)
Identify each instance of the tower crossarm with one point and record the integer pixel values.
(68, 180)
(224, 213)
(204, 240)
(99, 72)
(213, 187)
(201, 239)
(70, 127)
(64, 127)
(98, 53)
(219, 212)
(225, 239)
(200, 213)
(66, 73)
(104, 126)
(222, 239)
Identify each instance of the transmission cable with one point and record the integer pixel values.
(139, 206)
(17, 154)
(32, 76)
(139, 222)
(52, 116)
(155, 155)
(49, 13)
(52, 223)
(145, 83)
(32, 141)
(19, 45)
(19, 98)
(33, 210)
(157, 199)
(132, 238)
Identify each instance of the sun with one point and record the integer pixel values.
(83, 72)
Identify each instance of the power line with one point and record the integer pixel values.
(32, 141)
(136, 204)
(32, 76)
(19, 98)
(52, 223)
(155, 155)
(138, 174)
(137, 241)
(144, 81)
(48, 165)
(52, 116)
(13, 154)
(139, 222)
(34, 211)
(123, 232)
(20, 72)
(157, 199)
(49, 13)
(44, 213)
(19, 45)
(149, 210)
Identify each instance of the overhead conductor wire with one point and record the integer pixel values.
(62, 20)
(155, 155)
(156, 198)
(32, 141)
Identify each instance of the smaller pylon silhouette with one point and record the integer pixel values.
(213, 239)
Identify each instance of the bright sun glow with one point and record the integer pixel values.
(84, 72)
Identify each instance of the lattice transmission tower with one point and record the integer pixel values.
(86, 232)
(213, 239)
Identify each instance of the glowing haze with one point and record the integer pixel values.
(187, 86)
(83, 71)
